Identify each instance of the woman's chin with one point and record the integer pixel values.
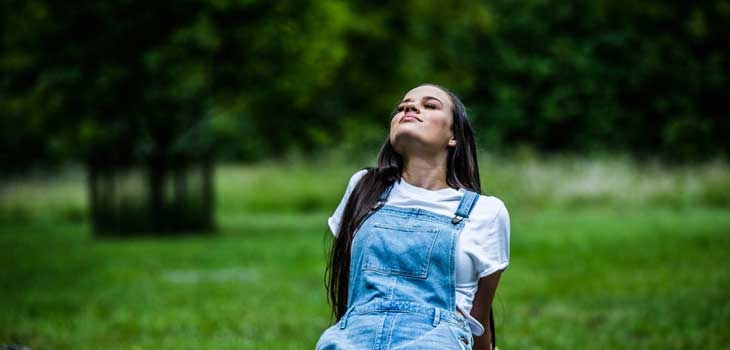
(404, 138)
(407, 131)
(410, 143)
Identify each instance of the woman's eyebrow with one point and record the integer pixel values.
(424, 98)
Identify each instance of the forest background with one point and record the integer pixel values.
(603, 125)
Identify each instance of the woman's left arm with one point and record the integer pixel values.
(482, 306)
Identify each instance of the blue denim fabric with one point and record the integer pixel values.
(401, 290)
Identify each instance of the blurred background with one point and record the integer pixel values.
(167, 168)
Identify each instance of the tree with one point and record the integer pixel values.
(119, 84)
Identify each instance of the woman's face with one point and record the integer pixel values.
(423, 122)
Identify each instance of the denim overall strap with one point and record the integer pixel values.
(468, 200)
(382, 198)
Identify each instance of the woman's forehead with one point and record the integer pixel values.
(422, 91)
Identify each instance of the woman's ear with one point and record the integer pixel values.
(452, 142)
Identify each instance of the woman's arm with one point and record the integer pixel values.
(482, 306)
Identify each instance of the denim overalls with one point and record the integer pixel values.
(401, 293)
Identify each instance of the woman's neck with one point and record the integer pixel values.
(429, 174)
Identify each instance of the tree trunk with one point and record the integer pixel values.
(156, 170)
(208, 192)
(92, 183)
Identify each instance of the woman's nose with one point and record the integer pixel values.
(410, 107)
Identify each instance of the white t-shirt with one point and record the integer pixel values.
(482, 247)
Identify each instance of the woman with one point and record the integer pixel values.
(418, 252)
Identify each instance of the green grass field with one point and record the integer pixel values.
(606, 254)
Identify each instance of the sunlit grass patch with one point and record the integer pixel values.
(311, 186)
(61, 196)
(574, 182)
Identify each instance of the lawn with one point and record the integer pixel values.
(606, 254)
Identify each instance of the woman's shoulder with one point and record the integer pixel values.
(489, 220)
(355, 178)
(359, 174)
(489, 208)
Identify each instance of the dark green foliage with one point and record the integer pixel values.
(118, 85)
(250, 79)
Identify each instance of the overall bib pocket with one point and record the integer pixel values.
(400, 250)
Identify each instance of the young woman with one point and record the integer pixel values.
(418, 251)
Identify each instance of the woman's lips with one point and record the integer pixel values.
(409, 117)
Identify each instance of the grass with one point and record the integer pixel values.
(649, 279)
(254, 286)
(606, 254)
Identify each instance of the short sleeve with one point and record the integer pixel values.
(493, 246)
(334, 221)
